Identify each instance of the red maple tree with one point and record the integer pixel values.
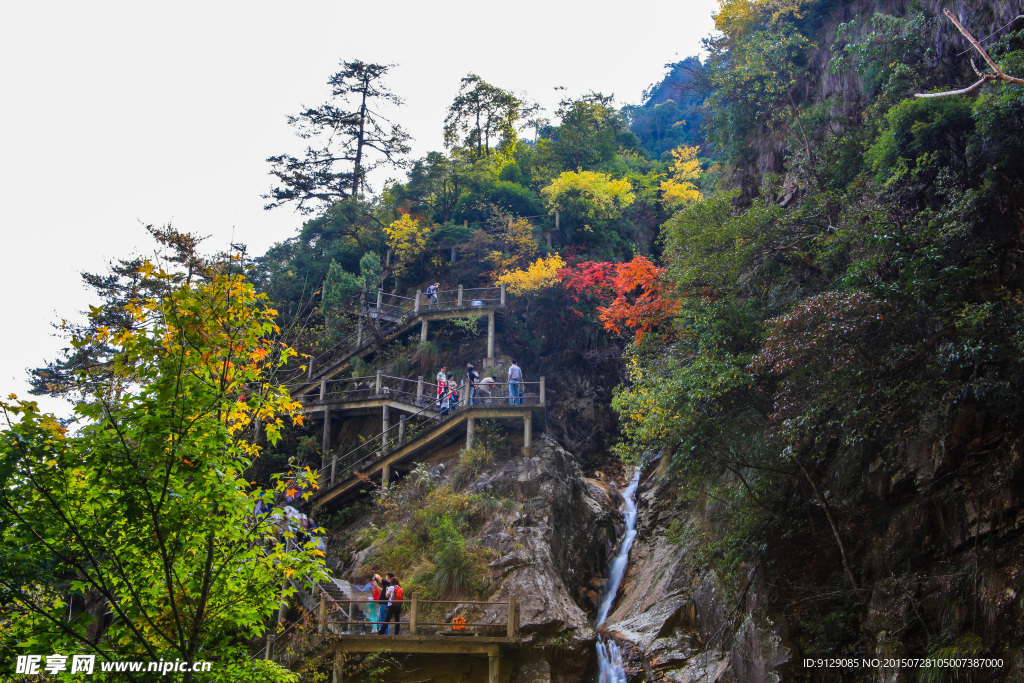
(629, 295)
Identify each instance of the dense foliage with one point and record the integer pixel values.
(135, 537)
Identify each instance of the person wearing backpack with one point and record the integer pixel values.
(454, 386)
(487, 388)
(395, 597)
(432, 293)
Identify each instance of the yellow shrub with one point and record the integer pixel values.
(679, 190)
(538, 276)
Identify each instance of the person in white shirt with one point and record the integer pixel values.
(442, 384)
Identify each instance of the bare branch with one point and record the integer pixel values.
(999, 74)
(963, 91)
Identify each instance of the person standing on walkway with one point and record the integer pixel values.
(515, 378)
(472, 377)
(487, 389)
(453, 388)
(395, 596)
(382, 609)
(432, 293)
(373, 607)
(446, 398)
(442, 384)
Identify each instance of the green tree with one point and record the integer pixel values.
(145, 513)
(481, 112)
(590, 133)
(342, 136)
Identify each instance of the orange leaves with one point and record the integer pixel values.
(640, 303)
(633, 293)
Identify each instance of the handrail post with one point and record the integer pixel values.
(419, 390)
(459, 304)
(359, 331)
(513, 617)
(414, 609)
(309, 368)
(326, 443)
(502, 293)
(377, 386)
(490, 334)
(416, 304)
(380, 300)
(322, 623)
(401, 429)
(385, 425)
(542, 389)
(323, 389)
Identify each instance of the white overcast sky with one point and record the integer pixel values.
(118, 114)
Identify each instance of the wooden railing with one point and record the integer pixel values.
(413, 426)
(388, 312)
(414, 625)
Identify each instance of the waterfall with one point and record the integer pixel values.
(609, 658)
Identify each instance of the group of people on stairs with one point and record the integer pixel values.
(481, 391)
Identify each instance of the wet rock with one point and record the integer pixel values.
(677, 621)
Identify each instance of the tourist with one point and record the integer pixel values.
(446, 398)
(382, 606)
(472, 379)
(432, 293)
(442, 383)
(373, 607)
(453, 385)
(486, 388)
(394, 613)
(515, 378)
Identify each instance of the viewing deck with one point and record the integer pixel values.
(491, 629)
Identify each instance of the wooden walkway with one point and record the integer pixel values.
(341, 478)
(390, 317)
(420, 429)
(326, 629)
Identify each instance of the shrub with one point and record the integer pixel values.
(426, 355)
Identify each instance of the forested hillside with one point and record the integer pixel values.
(783, 285)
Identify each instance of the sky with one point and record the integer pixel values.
(119, 114)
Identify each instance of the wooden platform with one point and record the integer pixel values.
(436, 645)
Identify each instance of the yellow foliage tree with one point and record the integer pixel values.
(588, 195)
(538, 276)
(518, 246)
(737, 17)
(407, 238)
(679, 190)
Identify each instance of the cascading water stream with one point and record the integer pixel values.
(609, 659)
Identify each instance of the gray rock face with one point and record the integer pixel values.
(554, 552)
(676, 622)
